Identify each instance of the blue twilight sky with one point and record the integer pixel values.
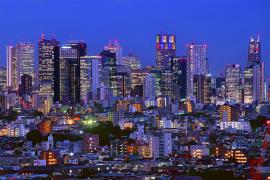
(225, 25)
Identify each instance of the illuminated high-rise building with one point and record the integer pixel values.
(197, 63)
(179, 69)
(228, 112)
(11, 68)
(25, 60)
(116, 48)
(166, 49)
(167, 82)
(248, 85)
(67, 72)
(131, 61)
(85, 77)
(26, 85)
(158, 81)
(109, 78)
(254, 83)
(254, 51)
(149, 87)
(137, 77)
(259, 83)
(3, 78)
(233, 83)
(96, 72)
(47, 53)
(202, 88)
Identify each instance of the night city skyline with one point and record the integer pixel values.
(225, 26)
(135, 89)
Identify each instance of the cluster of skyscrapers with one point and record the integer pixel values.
(68, 75)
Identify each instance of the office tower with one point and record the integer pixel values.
(132, 61)
(3, 78)
(109, 79)
(114, 47)
(25, 60)
(149, 87)
(166, 49)
(11, 68)
(233, 83)
(85, 78)
(96, 72)
(220, 87)
(258, 83)
(228, 112)
(202, 88)
(248, 85)
(197, 63)
(254, 86)
(166, 83)
(157, 76)
(179, 69)
(47, 54)
(67, 72)
(254, 51)
(26, 85)
(137, 77)
(123, 84)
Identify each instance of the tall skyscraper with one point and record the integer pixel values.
(11, 68)
(67, 72)
(85, 78)
(248, 85)
(167, 83)
(233, 83)
(46, 56)
(115, 47)
(179, 69)
(131, 61)
(26, 85)
(3, 78)
(202, 88)
(149, 87)
(109, 78)
(254, 51)
(95, 76)
(197, 63)
(258, 83)
(25, 60)
(166, 49)
(254, 86)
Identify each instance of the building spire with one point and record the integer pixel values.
(42, 36)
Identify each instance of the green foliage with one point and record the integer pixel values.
(213, 138)
(98, 108)
(35, 136)
(62, 137)
(11, 116)
(37, 113)
(88, 173)
(107, 132)
(258, 122)
(220, 174)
